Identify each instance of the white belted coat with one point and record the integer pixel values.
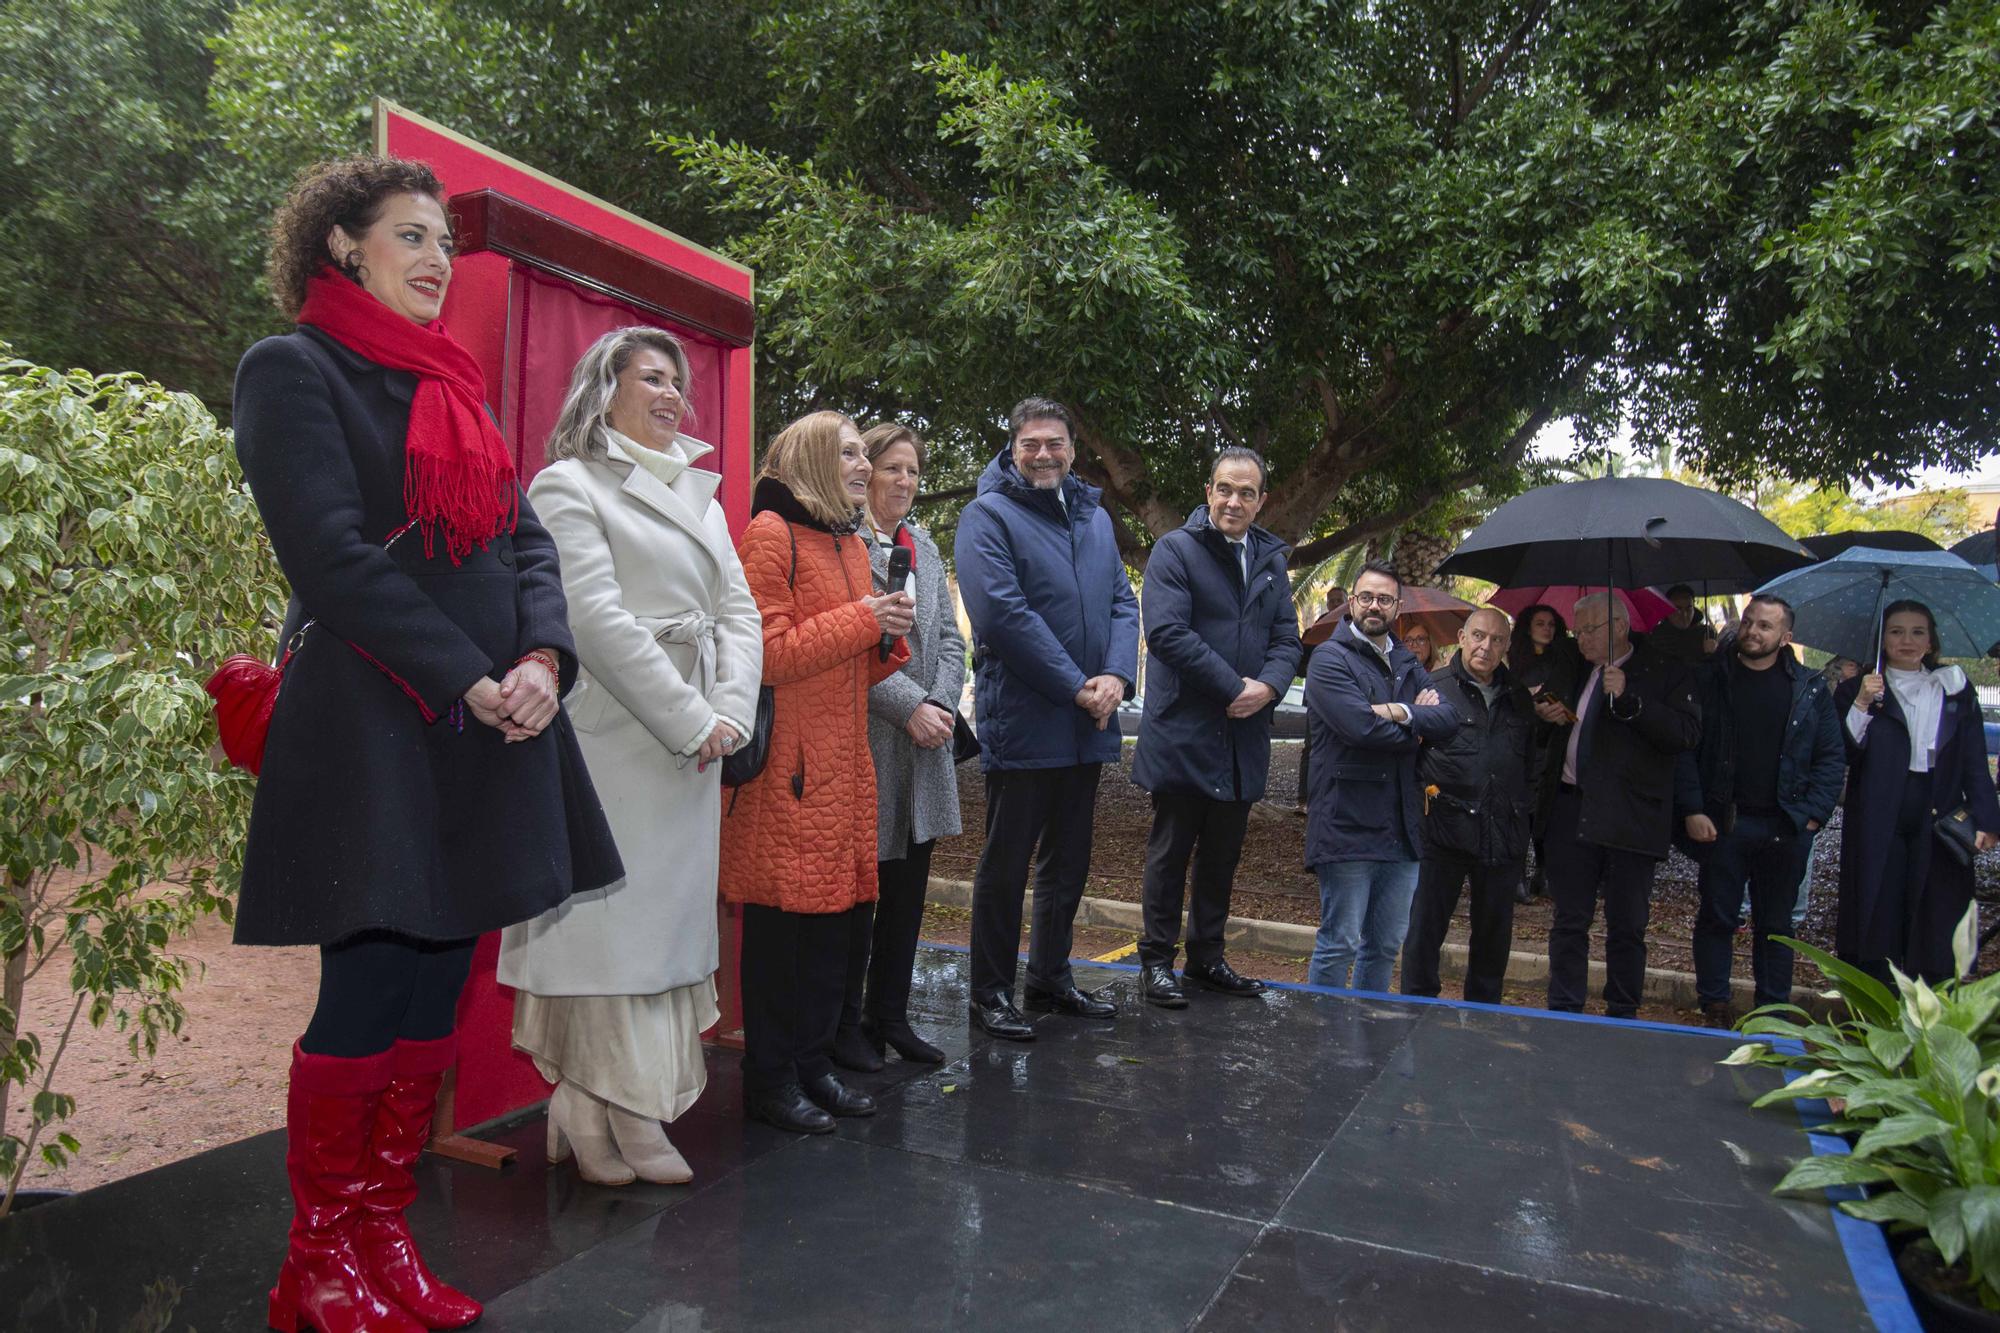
(669, 640)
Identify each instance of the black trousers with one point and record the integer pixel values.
(1305, 759)
(1763, 852)
(878, 970)
(378, 986)
(1578, 873)
(794, 974)
(1052, 807)
(1211, 833)
(1909, 898)
(1440, 880)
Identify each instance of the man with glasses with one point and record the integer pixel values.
(1608, 798)
(1055, 633)
(1372, 706)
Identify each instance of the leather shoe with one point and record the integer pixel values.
(829, 1094)
(788, 1109)
(1076, 1003)
(853, 1050)
(1158, 985)
(999, 1018)
(1220, 976)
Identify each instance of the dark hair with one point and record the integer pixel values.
(347, 192)
(1038, 409)
(1897, 608)
(1770, 599)
(1384, 569)
(1680, 587)
(1236, 453)
(1521, 646)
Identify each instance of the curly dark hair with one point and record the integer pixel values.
(347, 192)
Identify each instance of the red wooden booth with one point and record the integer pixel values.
(542, 270)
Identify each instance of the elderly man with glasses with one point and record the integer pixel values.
(1372, 705)
(1608, 801)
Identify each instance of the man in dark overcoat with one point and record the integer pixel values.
(1609, 795)
(1222, 639)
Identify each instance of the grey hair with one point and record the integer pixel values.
(1617, 614)
(579, 428)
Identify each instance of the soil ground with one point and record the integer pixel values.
(223, 1077)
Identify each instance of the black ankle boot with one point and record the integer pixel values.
(899, 1034)
(852, 1050)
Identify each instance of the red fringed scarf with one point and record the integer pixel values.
(457, 473)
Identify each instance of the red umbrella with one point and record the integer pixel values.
(1439, 612)
(1646, 607)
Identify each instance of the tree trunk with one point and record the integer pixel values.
(1417, 556)
(13, 984)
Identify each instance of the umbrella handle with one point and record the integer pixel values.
(1880, 593)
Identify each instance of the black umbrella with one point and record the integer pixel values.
(1976, 549)
(1827, 545)
(1630, 532)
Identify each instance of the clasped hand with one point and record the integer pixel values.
(929, 726)
(894, 612)
(1099, 697)
(520, 705)
(1251, 700)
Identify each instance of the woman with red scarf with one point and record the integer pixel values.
(420, 786)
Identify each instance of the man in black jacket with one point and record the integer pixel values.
(1765, 777)
(1476, 792)
(1609, 794)
(1222, 643)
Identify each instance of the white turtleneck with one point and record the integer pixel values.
(666, 464)
(1921, 693)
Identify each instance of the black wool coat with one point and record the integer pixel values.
(1483, 772)
(1917, 937)
(1206, 631)
(375, 810)
(1626, 758)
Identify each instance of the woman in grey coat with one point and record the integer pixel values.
(910, 719)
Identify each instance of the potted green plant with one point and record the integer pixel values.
(1913, 1079)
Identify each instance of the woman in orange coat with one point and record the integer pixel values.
(798, 843)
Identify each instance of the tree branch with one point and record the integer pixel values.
(1501, 58)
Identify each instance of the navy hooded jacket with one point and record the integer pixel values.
(1205, 632)
(1050, 607)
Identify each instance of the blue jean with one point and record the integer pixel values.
(1364, 912)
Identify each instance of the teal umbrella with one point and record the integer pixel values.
(1837, 603)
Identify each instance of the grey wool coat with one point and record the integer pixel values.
(917, 789)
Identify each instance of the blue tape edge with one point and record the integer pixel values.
(1864, 1244)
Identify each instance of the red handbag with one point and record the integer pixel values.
(245, 690)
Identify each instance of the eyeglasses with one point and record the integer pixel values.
(1382, 599)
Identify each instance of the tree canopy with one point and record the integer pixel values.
(1385, 244)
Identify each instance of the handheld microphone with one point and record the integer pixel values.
(898, 577)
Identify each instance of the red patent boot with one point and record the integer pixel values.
(328, 1113)
(402, 1127)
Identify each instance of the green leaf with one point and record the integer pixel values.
(1889, 1046)
(1891, 1206)
(1899, 1130)
(1955, 1059)
(1817, 1173)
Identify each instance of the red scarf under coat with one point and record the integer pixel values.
(457, 474)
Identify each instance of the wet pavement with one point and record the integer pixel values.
(1299, 1161)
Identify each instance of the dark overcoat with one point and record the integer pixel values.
(1872, 924)
(1206, 632)
(1364, 803)
(374, 809)
(1045, 590)
(1628, 754)
(1483, 772)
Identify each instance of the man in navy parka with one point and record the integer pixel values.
(1055, 632)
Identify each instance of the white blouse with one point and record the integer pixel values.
(1922, 694)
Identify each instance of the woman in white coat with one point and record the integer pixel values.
(617, 985)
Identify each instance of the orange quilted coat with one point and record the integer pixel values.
(801, 837)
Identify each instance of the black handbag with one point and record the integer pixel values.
(745, 763)
(964, 744)
(1956, 833)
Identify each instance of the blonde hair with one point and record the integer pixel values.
(579, 428)
(805, 456)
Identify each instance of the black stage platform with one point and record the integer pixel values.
(1304, 1161)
